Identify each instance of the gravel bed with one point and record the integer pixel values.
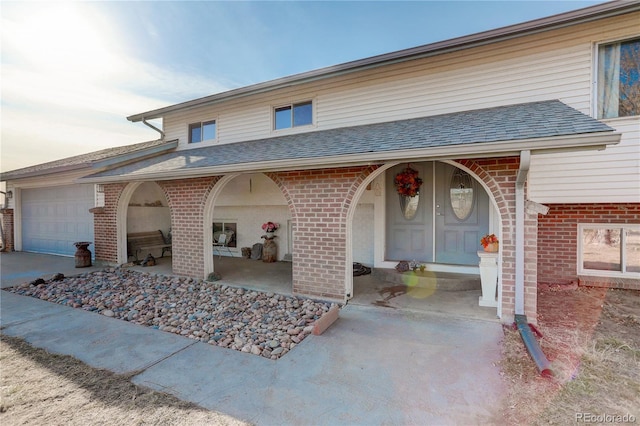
(264, 324)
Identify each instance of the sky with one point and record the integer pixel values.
(71, 72)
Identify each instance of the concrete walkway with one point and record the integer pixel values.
(373, 366)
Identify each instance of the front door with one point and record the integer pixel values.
(452, 215)
(462, 216)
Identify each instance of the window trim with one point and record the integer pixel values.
(224, 222)
(292, 106)
(596, 76)
(190, 126)
(623, 273)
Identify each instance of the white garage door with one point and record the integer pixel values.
(54, 218)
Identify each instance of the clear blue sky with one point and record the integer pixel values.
(72, 72)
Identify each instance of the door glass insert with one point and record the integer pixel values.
(461, 194)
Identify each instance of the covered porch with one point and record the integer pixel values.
(383, 288)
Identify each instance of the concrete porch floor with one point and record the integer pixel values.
(369, 290)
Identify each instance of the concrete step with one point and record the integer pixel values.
(444, 281)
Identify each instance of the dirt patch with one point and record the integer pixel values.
(592, 338)
(38, 387)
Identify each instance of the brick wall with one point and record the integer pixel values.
(558, 239)
(105, 224)
(6, 215)
(187, 199)
(319, 202)
(499, 175)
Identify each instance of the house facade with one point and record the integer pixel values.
(530, 132)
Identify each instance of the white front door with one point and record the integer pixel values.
(451, 217)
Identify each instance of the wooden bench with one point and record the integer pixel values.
(142, 241)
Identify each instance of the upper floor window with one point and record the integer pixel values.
(300, 114)
(619, 79)
(204, 131)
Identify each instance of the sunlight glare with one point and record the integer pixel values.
(67, 43)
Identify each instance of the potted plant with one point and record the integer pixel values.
(490, 243)
(270, 228)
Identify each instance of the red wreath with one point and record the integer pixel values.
(408, 183)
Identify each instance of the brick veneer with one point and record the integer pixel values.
(320, 201)
(499, 175)
(7, 229)
(558, 240)
(187, 199)
(105, 224)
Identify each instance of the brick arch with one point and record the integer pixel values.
(488, 177)
(122, 203)
(285, 192)
(499, 177)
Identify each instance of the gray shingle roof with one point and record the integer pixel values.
(506, 123)
(79, 161)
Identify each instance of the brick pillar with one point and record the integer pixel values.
(499, 175)
(320, 200)
(187, 199)
(105, 224)
(6, 216)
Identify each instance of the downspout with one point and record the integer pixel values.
(530, 342)
(145, 122)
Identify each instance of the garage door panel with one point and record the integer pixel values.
(54, 218)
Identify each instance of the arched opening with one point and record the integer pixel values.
(236, 210)
(455, 209)
(143, 208)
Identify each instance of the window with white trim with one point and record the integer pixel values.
(229, 227)
(609, 250)
(205, 131)
(618, 86)
(294, 115)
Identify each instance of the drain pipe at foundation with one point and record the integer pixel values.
(530, 342)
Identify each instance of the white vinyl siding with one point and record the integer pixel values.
(609, 176)
(555, 64)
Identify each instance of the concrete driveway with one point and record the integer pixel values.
(373, 366)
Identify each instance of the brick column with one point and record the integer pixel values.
(499, 175)
(7, 229)
(105, 224)
(320, 200)
(187, 199)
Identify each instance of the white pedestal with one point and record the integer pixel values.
(489, 278)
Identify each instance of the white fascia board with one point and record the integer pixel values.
(59, 178)
(592, 141)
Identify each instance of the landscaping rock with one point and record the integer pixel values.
(263, 324)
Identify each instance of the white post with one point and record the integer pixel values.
(488, 278)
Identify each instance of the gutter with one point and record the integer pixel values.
(562, 20)
(529, 340)
(594, 141)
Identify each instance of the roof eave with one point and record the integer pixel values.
(136, 155)
(9, 176)
(590, 141)
(587, 14)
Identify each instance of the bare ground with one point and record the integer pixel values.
(592, 338)
(38, 387)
